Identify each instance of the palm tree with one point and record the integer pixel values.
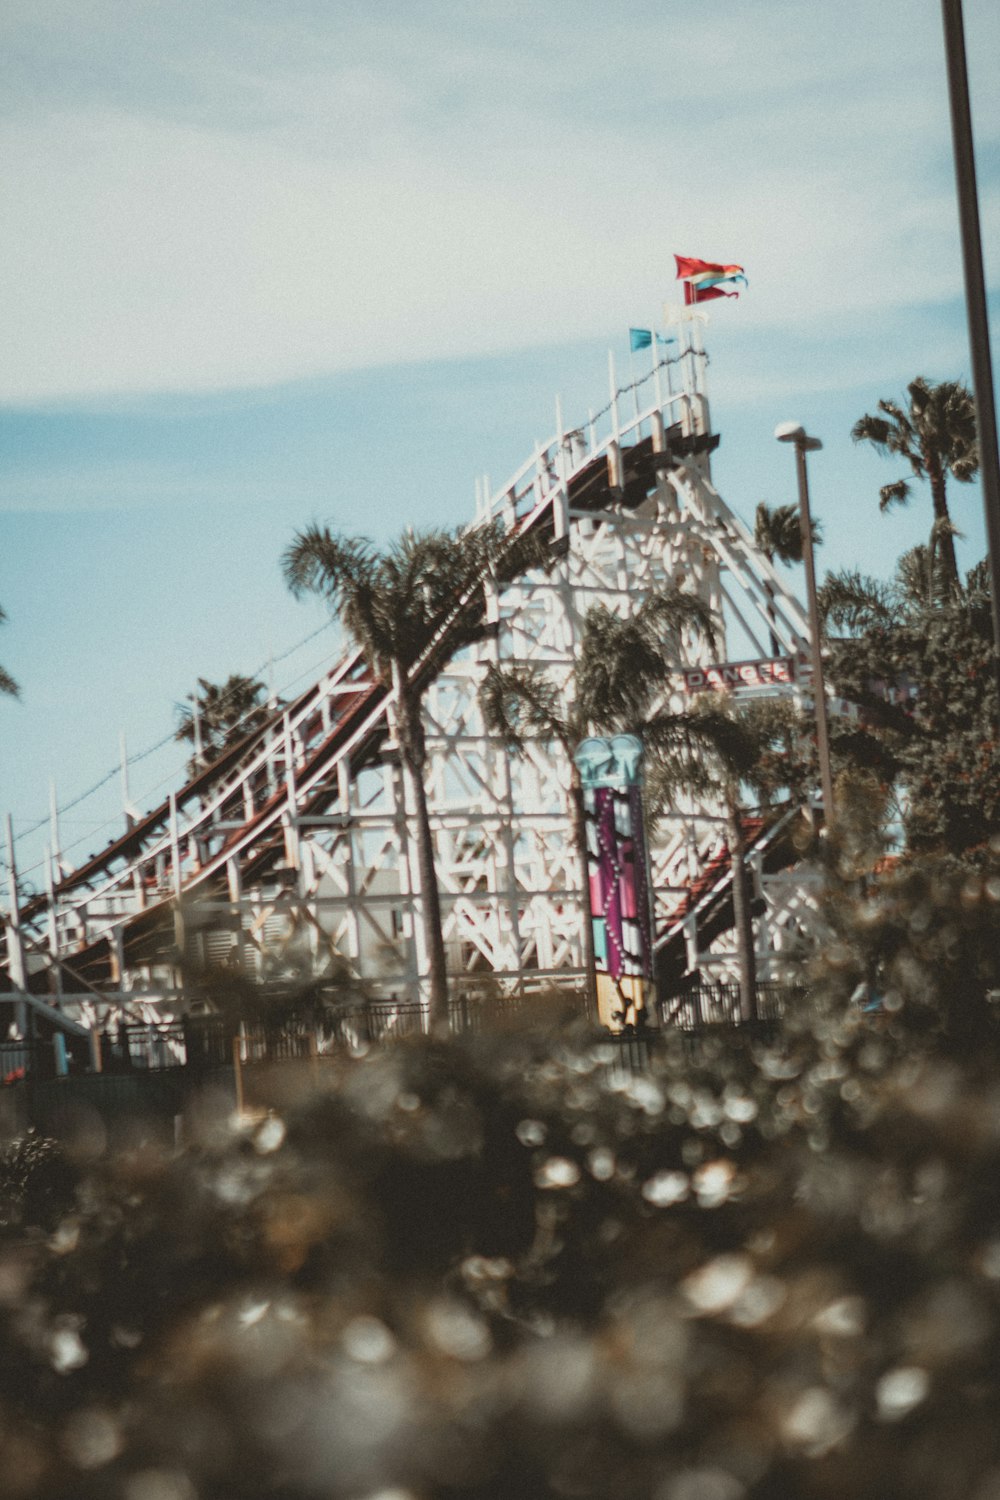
(730, 748)
(621, 668)
(936, 434)
(409, 608)
(219, 716)
(777, 533)
(7, 683)
(859, 604)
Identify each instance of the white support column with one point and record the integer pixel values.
(54, 830)
(16, 965)
(175, 847)
(702, 423)
(292, 804)
(196, 723)
(616, 473)
(127, 808)
(50, 888)
(118, 961)
(560, 503)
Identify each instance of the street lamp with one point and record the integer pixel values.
(794, 432)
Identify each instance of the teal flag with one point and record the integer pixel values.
(642, 338)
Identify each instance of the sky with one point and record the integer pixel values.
(264, 265)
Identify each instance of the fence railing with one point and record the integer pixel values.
(203, 1043)
(704, 1005)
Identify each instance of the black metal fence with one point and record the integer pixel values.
(209, 1042)
(702, 1006)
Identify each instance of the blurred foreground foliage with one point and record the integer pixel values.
(763, 1266)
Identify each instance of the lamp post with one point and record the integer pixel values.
(794, 432)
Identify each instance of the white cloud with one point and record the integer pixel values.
(283, 210)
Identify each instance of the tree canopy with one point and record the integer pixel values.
(409, 607)
(935, 432)
(919, 666)
(218, 716)
(7, 683)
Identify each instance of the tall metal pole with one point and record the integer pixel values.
(792, 432)
(975, 296)
(819, 687)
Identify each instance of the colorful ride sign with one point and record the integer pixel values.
(619, 877)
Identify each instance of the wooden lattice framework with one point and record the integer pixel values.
(290, 856)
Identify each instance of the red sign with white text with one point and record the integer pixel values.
(737, 674)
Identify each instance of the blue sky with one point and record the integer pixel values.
(265, 265)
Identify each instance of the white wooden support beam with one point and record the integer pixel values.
(53, 924)
(196, 724)
(616, 429)
(291, 819)
(16, 965)
(691, 942)
(560, 503)
(127, 808)
(175, 847)
(54, 830)
(118, 964)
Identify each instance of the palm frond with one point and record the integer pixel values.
(218, 715)
(321, 562)
(944, 417)
(719, 747)
(870, 429)
(897, 493)
(891, 433)
(977, 580)
(523, 553)
(669, 773)
(852, 601)
(624, 664)
(914, 580)
(777, 532)
(921, 394)
(7, 683)
(901, 429)
(620, 668)
(674, 614)
(521, 703)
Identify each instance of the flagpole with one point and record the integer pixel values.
(667, 315)
(631, 371)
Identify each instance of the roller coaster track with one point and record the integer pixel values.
(236, 824)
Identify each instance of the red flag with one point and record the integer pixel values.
(703, 278)
(689, 265)
(694, 293)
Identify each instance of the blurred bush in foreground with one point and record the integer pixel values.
(505, 1266)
